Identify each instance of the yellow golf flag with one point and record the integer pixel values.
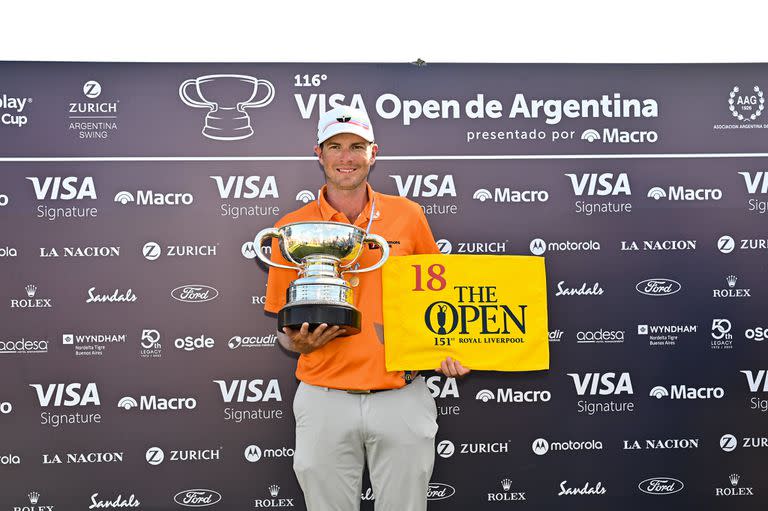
(488, 312)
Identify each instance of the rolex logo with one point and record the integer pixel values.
(731, 280)
(33, 497)
(506, 484)
(31, 290)
(734, 478)
(274, 490)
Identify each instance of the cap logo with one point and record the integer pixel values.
(344, 119)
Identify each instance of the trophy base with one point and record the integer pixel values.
(293, 316)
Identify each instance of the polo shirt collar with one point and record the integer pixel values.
(329, 213)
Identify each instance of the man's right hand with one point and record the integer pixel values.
(303, 341)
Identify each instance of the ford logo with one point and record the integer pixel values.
(194, 293)
(658, 287)
(660, 486)
(197, 498)
(440, 491)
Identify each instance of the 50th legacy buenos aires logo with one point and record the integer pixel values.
(489, 312)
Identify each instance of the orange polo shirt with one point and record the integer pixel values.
(356, 361)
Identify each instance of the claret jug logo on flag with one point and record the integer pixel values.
(489, 312)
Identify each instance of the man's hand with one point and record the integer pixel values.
(303, 341)
(452, 368)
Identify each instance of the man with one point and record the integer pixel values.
(349, 410)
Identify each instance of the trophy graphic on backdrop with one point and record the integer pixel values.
(226, 97)
(321, 252)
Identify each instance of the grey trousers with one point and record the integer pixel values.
(337, 432)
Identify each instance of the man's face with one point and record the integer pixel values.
(346, 159)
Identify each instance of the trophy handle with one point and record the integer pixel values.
(263, 102)
(185, 97)
(270, 232)
(378, 240)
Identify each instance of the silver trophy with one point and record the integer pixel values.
(322, 252)
(226, 97)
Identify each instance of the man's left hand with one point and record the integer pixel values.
(452, 368)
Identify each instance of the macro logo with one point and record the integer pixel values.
(658, 287)
(757, 184)
(538, 246)
(194, 293)
(608, 193)
(152, 198)
(660, 486)
(508, 395)
(197, 497)
(155, 403)
(684, 194)
(510, 196)
(429, 186)
(617, 136)
(305, 196)
(687, 392)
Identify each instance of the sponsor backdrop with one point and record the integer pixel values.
(139, 369)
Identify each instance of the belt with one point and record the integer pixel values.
(409, 376)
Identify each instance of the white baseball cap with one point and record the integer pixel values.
(344, 119)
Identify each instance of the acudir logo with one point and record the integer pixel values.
(194, 293)
(197, 497)
(660, 486)
(658, 287)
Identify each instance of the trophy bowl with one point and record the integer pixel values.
(321, 253)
